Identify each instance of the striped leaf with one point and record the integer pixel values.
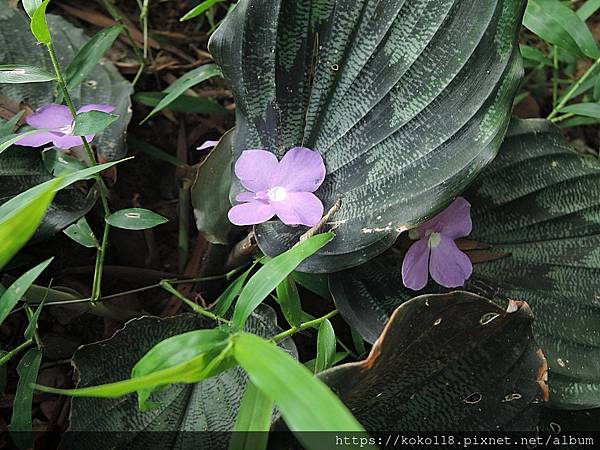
(454, 362)
(538, 208)
(188, 416)
(406, 100)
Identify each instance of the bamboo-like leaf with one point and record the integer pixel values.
(272, 274)
(325, 347)
(39, 24)
(21, 426)
(18, 288)
(252, 425)
(89, 56)
(405, 100)
(187, 81)
(558, 24)
(309, 406)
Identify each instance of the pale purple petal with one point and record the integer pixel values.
(37, 139)
(245, 197)
(254, 169)
(66, 141)
(208, 144)
(50, 116)
(415, 267)
(300, 208)
(251, 213)
(96, 107)
(300, 170)
(449, 266)
(454, 221)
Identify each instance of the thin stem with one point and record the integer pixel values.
(99, 267)
(183, 246)
(554, 75)
(100, 255)
(226, 276)
(10, 355)
(561, 118)
(303, 326)
(195, 307)
(116, 15)
(571, 92)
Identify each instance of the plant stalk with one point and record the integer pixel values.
(10, 355)
(103, 189)
(303, 326)
(569, 95)
(195, 307)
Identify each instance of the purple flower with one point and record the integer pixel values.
(436, 252)
(283, 188)
(57, 124)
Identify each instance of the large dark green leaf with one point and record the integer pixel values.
(406, 100)
(211, 405)
(537, 205)
(453, 362)
(104, 84)
(210, 193)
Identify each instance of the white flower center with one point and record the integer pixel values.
(67, 129)
(277, 194)
(434, 240)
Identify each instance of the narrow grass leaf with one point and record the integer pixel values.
(200, 9)
(192, 371)
(358, 342)
(30, 6)
(184, 103)
(33, 320)
(253, 422)
(81, 233)
(90, 55)
(12, 139)
(534, 54)
(583, 109)
(149, 149)
(306, 404)
(289, 300)
(223, 303)
(175, 351)
(325, 346)
(93, 122)
(9, 126)
(588, 9)
(17, 74)
(184, 83)
(135, 219)
(21, 422)
(20, 223)
(7, 209)
(558, 24)
(272, 274)
(39, 24)
(18, 288)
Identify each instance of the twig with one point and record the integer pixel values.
(314, 230)
(303, 326)
(571, 92)
(195, 307)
